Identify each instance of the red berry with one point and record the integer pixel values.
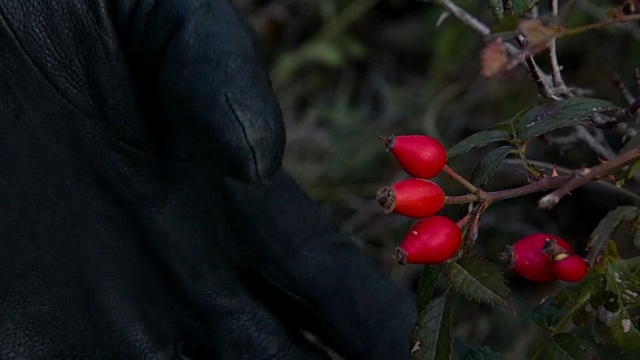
(420, 156)
(569, 267)
(430, 241)
(416, 198)
(531, 261)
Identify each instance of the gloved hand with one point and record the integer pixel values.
(144, 213)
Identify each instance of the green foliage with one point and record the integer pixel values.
(428, 283)
(479, 139)
(600, 237)
(489, 164)
(567, 346)
(548, 116)
(546, 314)
(633, 143)
(432, 336)
(478, 279)
(518, 7)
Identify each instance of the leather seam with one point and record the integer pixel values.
(245, 136)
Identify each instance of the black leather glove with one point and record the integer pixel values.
(144, 213)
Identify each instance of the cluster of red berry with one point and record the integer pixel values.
(435, 239)
(544, 258)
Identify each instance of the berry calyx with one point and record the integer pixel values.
(570, 268)
(420, 156)
(531, 259)
(416, 198)
(430, 241)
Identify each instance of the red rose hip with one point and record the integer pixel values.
(420, 156)
(416, 198)
(531, 260)
(430, 241)
(570, 268)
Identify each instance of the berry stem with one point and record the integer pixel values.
(460, 179)
(462, 199)
(474, 213)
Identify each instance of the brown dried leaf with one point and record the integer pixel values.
(539, 31)
(493, 58)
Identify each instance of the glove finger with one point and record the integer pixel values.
(235, 326)
(226, 320)
(211, 84)
(292, 247)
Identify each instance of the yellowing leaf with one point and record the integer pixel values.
(539, 31)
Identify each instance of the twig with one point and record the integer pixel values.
(563, 183)
(536, 76)
(628, 112)
(461, 180)
(465, 17)
(562, 142)
(556, 75)
(599, 147)
(556, 69)
(598, 13)
(494, 196)
(536, 73)
(600, 24)
(624, 90)
(583, 176)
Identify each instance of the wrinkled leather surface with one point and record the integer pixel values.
(144, 213)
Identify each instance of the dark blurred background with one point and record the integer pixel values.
(346, 72)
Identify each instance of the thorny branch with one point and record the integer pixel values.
(563, 183)
(583, 176)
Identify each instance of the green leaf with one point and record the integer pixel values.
(489, 164)
(548, 116)
(521, 7)
(518, 7)
(631, 171)
(504, 125)
(633, 143)
(497, 9)
(432, 335)
(599, 239)
(546, 314)
(622, 283)
(481, 353)
(616, 328)
(427, 284)
(567, 346)
(480, 279)
(476, 140)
